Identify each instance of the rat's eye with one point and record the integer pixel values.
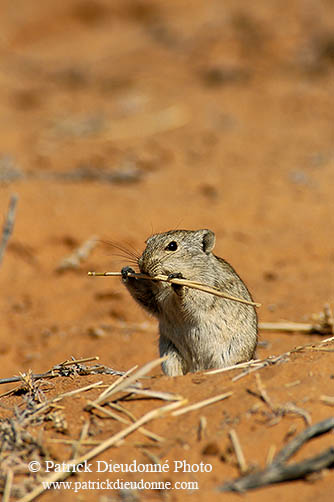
(172, 246)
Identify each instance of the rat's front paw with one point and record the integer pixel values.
(126, 271)
(178, 288)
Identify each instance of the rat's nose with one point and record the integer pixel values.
(148, 266)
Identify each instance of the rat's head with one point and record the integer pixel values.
(176, 251)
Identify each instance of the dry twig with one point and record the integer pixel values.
(30, 415)
(201, 427)
(271, 454)
(278, 471)
(66, 368)
(83, 434)
(8, 225)
(238, 451)
(201, 404)
(269, 361)
(81, 253)
(277, 412)
(257, 364)
(323, 324)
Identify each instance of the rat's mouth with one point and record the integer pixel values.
(151, 268)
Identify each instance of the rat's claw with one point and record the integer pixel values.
(176, 275)
(126, 271)
(178, 288)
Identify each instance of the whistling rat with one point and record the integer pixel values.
(197, 330)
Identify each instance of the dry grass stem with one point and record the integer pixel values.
(312, 346)
(118, 407)
(292, 384)
(201, 427)
(278, 411)
(77, 361)
(116, 383)
(263, 392)
(8, 486)
(166, 119)
(327, 400)
(23, 377)
(154, 459)
(291, 408)
(235, 367)
(323, 324)
(11, 391)
(124, 383)
(145, 327)
(76, 391)
(156, 394)
(286, 326)
(33, 494)
(42, 408)
(110, 414)
(80, 254)
(201, 404)
(87, 442)
(266, 362)
(271, 454)
(151, 415)
(252, 366)
(59, 476)
(129, 385)
(182, 282)
(257, 364)
(83, 434)
(50, 403)
(238, 451)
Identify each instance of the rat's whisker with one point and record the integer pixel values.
(128, 253)
(134, 250)
(130, 261)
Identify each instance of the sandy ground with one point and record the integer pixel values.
(121, 119)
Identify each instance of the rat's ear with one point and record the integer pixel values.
(209, 240)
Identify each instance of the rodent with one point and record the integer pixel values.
(198, 330)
